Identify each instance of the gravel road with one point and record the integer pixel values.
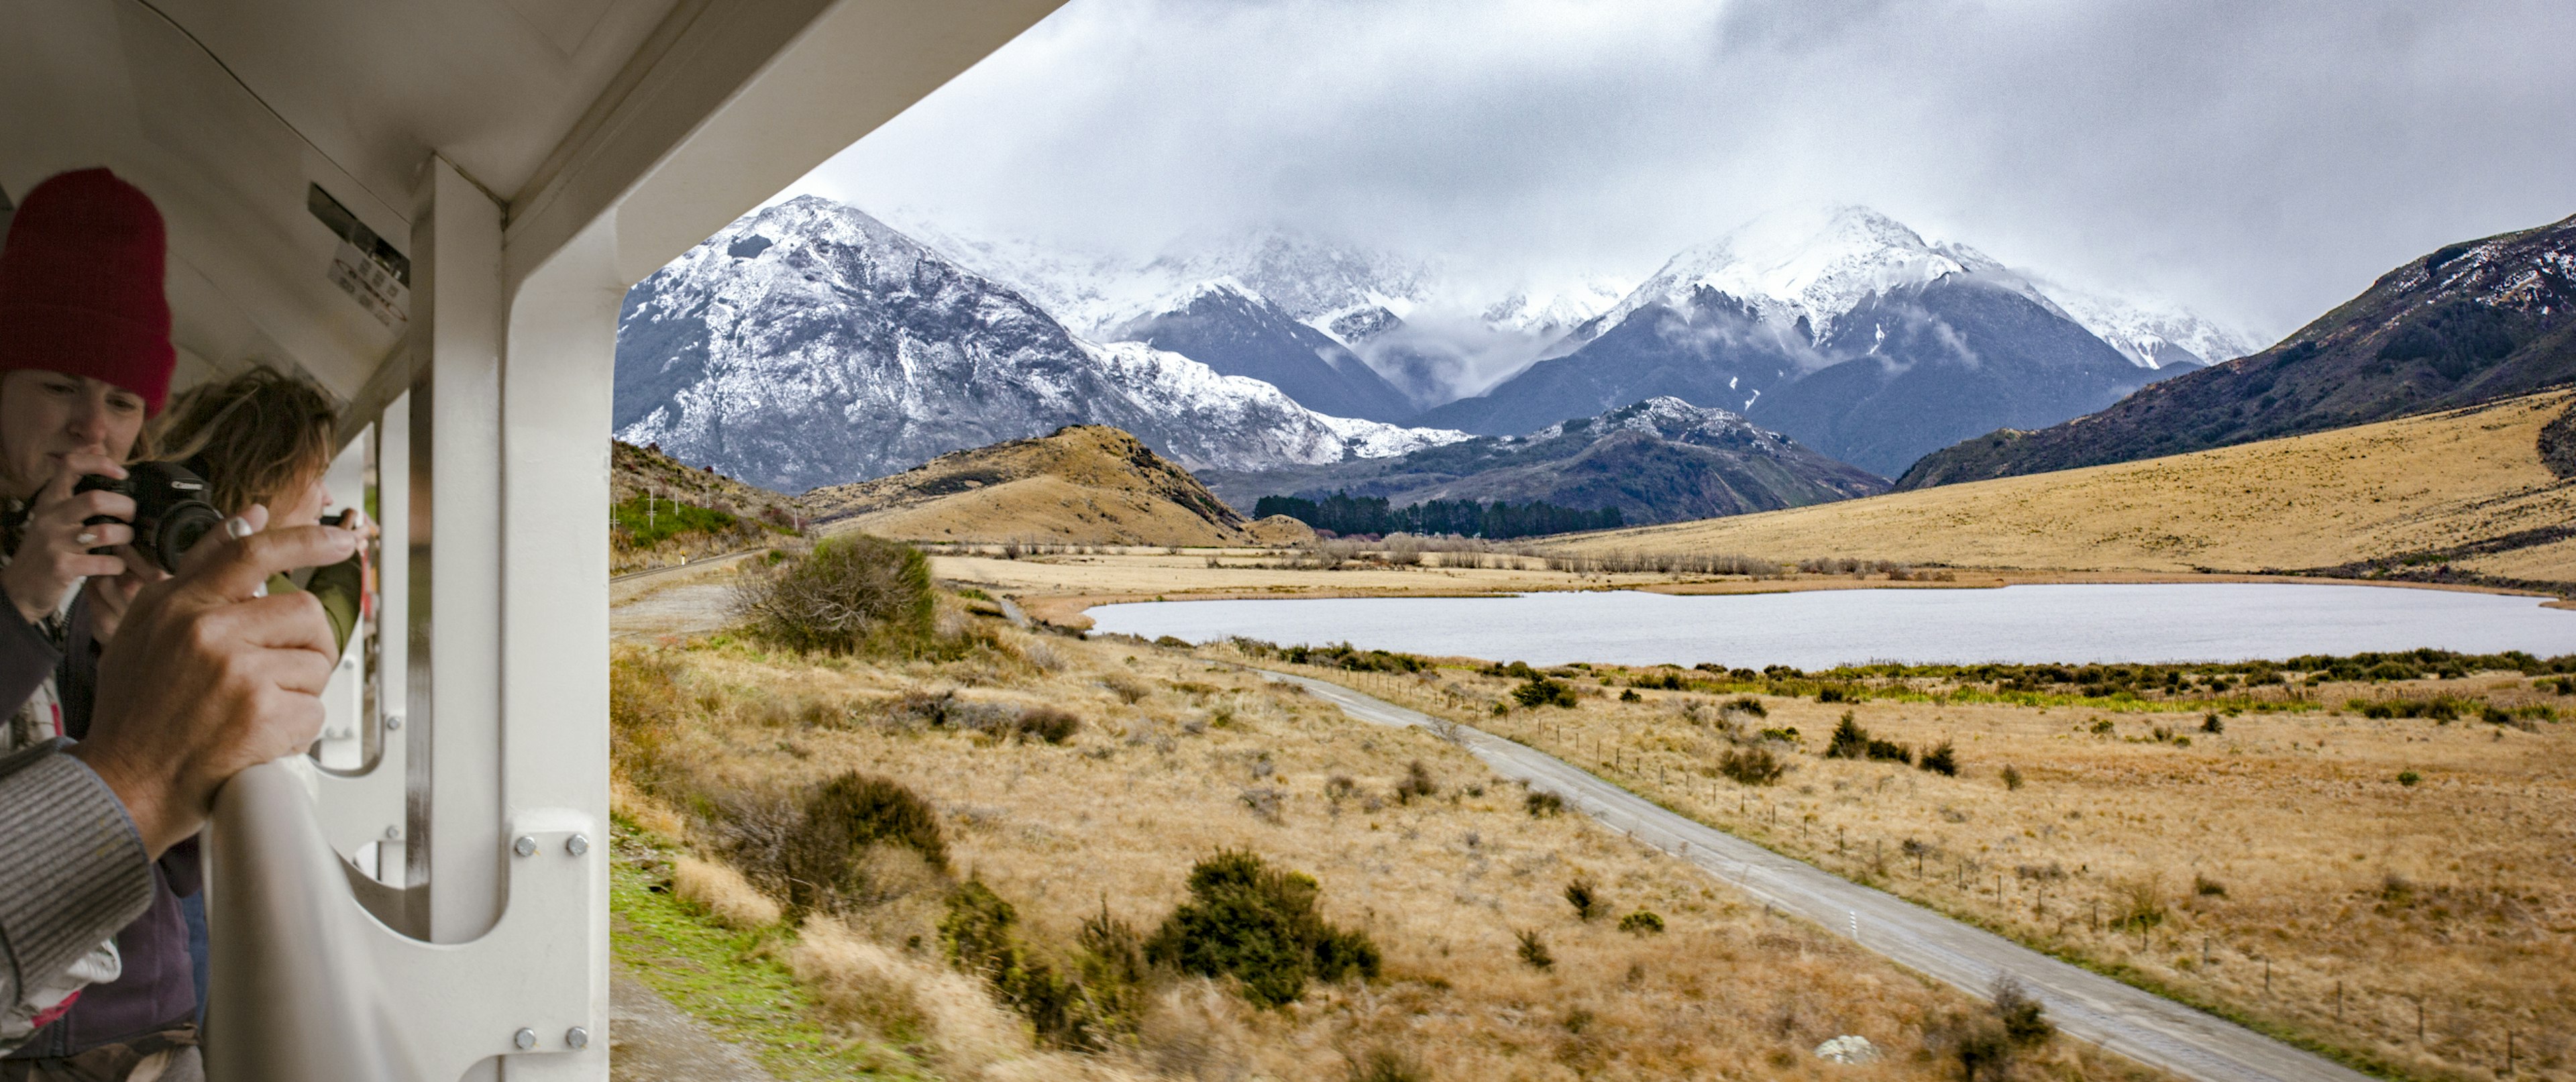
(2140, 1025)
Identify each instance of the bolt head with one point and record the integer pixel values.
(525, 1039)
(526, 846)
(392, 833)
(577, 845)
(393, 721)
(577, 1037)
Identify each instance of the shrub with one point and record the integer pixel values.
(1543, 805)
(1258, 925)
(1643, 922)
(1785, 736)
(1629, 695)
(2026, 1023)
(1581, 896)
(839, 819)
(1046, 723)
(2012, 778)
(1415, 783)
(1891, 752)
(2207, 887)
(1753, 766)
(1748, 705)
(1533, 950)
(1849, 741)
(2408, 778)
(2103, 727)
(2137, 904)
(1832, 693)
(2212, 725)
(1943, 760)
(851, 593)
(1541, 691)
(1067, 1012)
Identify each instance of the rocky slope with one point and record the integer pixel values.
(2469, 322)
(808, 344)
(1085, 485)
(1661, 460)
(1846, 330)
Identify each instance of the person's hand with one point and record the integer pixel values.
(110, 597)
(54, 554)
(207, 677)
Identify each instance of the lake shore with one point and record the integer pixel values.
(1061, 589)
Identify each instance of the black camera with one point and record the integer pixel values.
(170, 510)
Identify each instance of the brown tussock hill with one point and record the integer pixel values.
(2466, 489)
(1084, 485)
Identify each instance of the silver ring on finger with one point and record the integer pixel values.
(86, 537)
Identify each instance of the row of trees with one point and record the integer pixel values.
(1343, 513)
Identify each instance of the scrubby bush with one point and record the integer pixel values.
(2207, 887)
(2408, 778)
(1082, 1011)
(1533, 950)
(851, 593)
(819, 856)
(2025, 1022)
(1752, 766)
(1643, 922)
(1943, 760)
(1747, 705)
(1586, 901)
(1541, 691)
(1416, 782)
(1046, 723)
(2137, 904)
(1258, 925)
(1849, 741)
(2213, 725)
(1384, 1064)
(1543, 805)
(2012, 777)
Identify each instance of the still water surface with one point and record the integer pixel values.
(1820, 628)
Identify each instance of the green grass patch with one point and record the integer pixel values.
(733, 982)
(646, 526)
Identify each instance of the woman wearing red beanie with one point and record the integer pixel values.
(85, 360)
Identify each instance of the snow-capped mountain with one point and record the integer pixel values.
(2150, 332)
(1659, 460)
(1233, 329)
(810, 344)
(1849, 331)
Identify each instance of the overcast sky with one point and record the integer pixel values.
(2260, 162)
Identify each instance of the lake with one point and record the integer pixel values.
(1816, 629)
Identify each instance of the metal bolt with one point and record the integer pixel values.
(577, 1037)
(525, 1039)
(526, 846)
(577, 845)
(392, 833)
(393, 721)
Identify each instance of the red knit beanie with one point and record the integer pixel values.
(80, 285)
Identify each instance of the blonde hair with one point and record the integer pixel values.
(259, 436)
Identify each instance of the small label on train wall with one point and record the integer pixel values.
(364, 266)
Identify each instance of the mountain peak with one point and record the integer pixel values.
(1812, 263)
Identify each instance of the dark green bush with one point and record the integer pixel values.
(1260, 926)
(2212, 725)
(1082, 1012)
(1544, 805)
(1785, 736)
(1643, 922)
(1943, 760)
(1541, 691)
(2012, 777)
(1748, 705)
(1832, 693)
(1849, 741)
(1629, 695)
(2025, 1022)
(850, 594)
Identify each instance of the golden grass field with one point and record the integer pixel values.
(2338, 900)
(1174, 760)
(2412, 485)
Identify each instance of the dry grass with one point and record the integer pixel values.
(2259, 870)
(2410, 485)
(1113, 819)
(723, 893)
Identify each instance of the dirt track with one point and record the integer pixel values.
(2123, 1019)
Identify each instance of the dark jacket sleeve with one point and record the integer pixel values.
(26, 659)
(72, 867)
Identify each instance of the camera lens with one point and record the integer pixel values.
(182, 526)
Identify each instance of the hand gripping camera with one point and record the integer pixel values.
(170, 510)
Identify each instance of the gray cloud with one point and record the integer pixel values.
(2260, 162)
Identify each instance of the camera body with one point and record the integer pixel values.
(170, 510)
